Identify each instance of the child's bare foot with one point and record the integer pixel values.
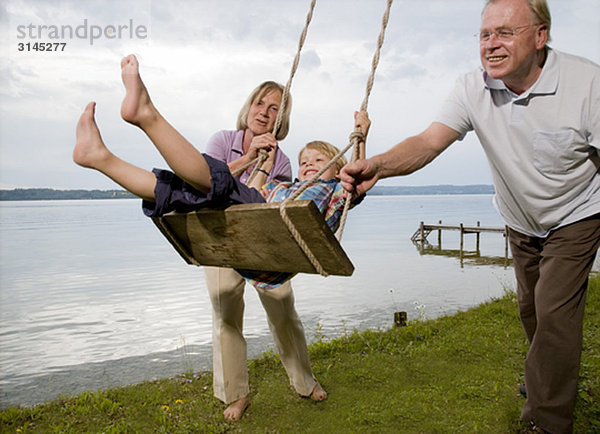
(236, 409)
(136, 108)
(89, 150)
(318, 393)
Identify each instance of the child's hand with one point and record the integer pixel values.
(362, 122)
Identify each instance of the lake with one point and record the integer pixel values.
(92, 296)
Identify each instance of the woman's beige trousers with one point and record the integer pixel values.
(230, 364)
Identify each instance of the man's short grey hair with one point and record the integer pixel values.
(539, 9)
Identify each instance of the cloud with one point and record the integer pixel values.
(15, 78)
(201, 59)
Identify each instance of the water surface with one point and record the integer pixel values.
(92, 296)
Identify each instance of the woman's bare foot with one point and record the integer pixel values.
(318, 393)
(236, 409)
(136, 108)
(89, 150)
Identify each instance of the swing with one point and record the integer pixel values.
(289, 236)
(252, 235)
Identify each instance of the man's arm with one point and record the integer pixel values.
(406, 157)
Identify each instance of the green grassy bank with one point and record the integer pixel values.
(453, 374)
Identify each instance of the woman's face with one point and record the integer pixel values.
(311, 161)
(263, 112)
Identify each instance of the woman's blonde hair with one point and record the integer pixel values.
(326, 149)
(258, 94)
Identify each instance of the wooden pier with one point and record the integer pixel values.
(420, 236)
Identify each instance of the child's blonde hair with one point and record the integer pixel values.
(326, 149)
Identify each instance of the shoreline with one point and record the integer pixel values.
(457, 372)
(33, 194)
(72, 380)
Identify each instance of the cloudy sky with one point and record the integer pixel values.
(200, 60)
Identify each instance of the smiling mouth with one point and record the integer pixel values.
(496, 58)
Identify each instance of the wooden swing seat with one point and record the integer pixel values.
(253, 236)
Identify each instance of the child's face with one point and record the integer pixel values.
(311, 161)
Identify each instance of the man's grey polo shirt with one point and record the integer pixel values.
(542, 145)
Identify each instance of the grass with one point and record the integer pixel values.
(453, 374)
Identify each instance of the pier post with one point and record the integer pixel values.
(424, 230)
(400, 319)
(462, 233)
(505, 246)
(477, 239)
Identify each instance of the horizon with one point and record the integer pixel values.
(122, 189)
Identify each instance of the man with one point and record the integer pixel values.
(536, 112)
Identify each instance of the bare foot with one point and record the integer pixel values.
(236, 409)
(136, 108)
(318, 393)
(89, 150)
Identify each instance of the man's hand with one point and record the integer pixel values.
(359, 177)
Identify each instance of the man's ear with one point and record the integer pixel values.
(541, 36)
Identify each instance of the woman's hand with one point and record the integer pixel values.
(267, 143)
(264, 141)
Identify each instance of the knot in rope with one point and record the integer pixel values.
(357, 137)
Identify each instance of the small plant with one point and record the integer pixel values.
(394, 300)
(420, 308)
(319, 334)
(186, 358)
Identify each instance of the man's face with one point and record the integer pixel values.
(510, 52)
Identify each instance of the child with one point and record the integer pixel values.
(326, 193)
(198, 180)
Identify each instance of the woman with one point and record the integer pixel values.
(226, 287)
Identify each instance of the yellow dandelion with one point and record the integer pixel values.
(179, 401)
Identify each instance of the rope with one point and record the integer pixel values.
(284, 97)
(240, 170)
(365, 103)
(356, 138)
(262, 157)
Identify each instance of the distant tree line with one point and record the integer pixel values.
(431, 189)
(52, 194)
